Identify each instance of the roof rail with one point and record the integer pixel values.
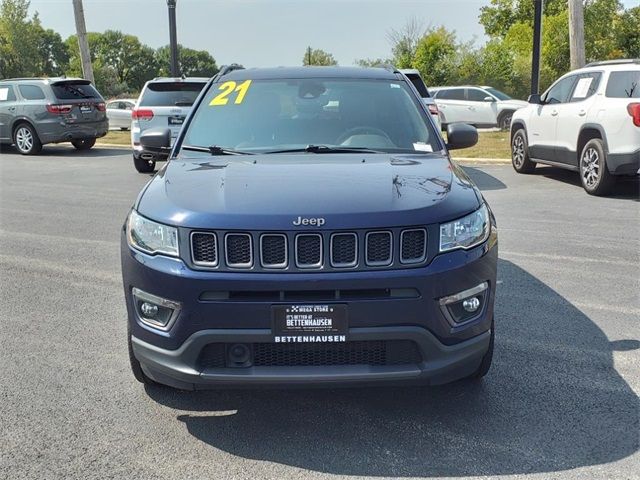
(228, 68)
(622, 61)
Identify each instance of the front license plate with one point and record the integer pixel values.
(176, 120)
(309, 323)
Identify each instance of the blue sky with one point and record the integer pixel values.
(270, 32)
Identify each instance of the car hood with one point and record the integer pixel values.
(269, 192)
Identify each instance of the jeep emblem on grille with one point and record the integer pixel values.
(309, 221)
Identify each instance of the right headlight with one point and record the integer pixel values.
(151, 237)
(466, 232)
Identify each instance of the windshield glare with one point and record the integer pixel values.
(498, 94)
(270, 115)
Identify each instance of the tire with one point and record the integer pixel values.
(520, 153)
(26, 139)
(84, 143)
(136, 368)
(504, 120)
(485, 364)
(594, 174)
(144, 166)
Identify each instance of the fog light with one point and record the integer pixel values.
(464, 306)
(471, 304)
(150, 310)
(154, 311)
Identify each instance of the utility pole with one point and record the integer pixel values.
(537, 39)
(83, 44)
(576, 34)
(173, 42)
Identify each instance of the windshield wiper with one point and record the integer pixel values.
(326, 149)
(216, 150)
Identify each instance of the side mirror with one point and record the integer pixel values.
(156, 141)
(461, 135)
(488, 99)
(535, 99)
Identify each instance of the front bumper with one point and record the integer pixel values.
(441, 363)
(447, 352)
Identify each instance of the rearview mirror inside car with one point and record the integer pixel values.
(156, 141)
(461, 135)
(535, 99)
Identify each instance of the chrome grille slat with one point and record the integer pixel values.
(238, 250)
(273, 250)
(413, 245)
(379, 248)
(204, 249)
(308, 250)
(344, 250)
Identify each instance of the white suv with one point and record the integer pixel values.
(484, 107)
(163, 102)
(587, 121)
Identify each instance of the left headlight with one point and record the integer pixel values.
(151, 237)
(466, 232)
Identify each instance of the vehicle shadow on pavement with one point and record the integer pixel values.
(552, 401)
(483, 180)
(67, 150)
(626, 188)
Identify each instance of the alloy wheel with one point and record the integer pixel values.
(590, 167)
(24, 139)
(518, 151)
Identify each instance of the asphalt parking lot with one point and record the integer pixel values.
(561, 400)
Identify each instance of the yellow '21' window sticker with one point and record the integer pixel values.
(226, 89)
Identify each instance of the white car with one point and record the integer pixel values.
(587, 121)
(416, 79)
(483, 107)
(164, 102)
(119, 113)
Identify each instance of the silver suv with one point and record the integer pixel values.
(163, 102)
(36, 111)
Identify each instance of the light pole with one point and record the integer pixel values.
(173, 41)
(537, 37)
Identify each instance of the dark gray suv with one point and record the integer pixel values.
(36, 111)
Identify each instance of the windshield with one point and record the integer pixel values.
(498, 94)
(276, 115)
(166, 94)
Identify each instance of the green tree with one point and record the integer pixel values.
(17, 42)
(501, 15)
(193, 63)
(435, 57)
(404, 42)
(373, 62)
(318, 57)
(628, 33)
(121, 63)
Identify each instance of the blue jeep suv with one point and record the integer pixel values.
(309, 228)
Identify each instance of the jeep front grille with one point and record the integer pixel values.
(312, 251)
